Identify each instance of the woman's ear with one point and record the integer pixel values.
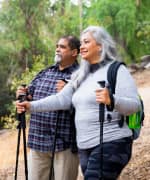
(100, 48)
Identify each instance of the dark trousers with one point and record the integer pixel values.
(116, 155)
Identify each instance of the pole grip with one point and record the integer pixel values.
(101, 83)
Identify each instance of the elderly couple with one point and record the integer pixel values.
(52, 99)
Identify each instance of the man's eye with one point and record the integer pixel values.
(62, 47)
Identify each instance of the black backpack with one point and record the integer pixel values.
(134, 121)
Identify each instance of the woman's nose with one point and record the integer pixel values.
(81, 46)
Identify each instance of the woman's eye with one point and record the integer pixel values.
(86, 42)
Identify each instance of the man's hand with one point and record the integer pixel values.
(23, 90)
(22, 106)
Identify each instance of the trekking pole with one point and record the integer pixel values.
(54, 142)
(53, 149)
(24, 146)
(21, 125)
(17, 152)
(101, 119)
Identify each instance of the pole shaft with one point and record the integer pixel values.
(17, 153)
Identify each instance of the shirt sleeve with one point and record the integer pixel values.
(60, 101)
(126, 96)
(33, 83)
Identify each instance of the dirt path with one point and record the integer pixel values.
(137, 169)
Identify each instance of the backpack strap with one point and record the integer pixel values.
(112, 77)
(112, 74)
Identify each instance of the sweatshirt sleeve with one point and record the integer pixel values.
(60, 101)
(126, 95)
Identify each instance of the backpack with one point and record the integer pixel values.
(135, 120)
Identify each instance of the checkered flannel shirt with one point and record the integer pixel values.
(43, 124)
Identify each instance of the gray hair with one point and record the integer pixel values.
(108, 52)
(79, 75)
(103, 38)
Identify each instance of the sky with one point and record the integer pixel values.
(87, 2)
(0, 3)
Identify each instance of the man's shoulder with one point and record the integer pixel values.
(46, 70)
(74, 66)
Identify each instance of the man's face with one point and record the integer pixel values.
(63, 52)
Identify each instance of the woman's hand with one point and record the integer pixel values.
(59, 85)
(22, 106)
(102, 96)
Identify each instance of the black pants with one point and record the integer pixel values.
(116, 155)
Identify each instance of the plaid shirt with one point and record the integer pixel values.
(42, 125)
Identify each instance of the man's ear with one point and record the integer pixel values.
(74, 52)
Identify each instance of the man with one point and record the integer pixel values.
(43, 125)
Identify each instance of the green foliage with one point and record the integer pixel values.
(21, 39)
(27, 76)
(118, 17)
(9, 120)
(64, 22)
(21, 22)
(124, 20)
(143, 32)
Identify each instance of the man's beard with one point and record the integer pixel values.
(57, 58)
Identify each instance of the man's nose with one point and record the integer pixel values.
(57, 49)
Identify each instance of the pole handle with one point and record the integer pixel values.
(101, 83)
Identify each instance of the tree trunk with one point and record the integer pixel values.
(138, 2)
(80, 14)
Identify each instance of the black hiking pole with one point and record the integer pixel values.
(101, 119)
(54, 141)
(21, 125)
(53, 149)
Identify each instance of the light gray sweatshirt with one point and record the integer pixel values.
(87, 109)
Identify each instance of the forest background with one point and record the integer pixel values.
(29, 30)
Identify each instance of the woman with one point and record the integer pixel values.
(98, 51)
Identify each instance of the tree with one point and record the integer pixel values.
(29, 29)
(21, 39)
(122, 19)
(21, 21)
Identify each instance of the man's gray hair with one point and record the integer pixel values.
(108, 52)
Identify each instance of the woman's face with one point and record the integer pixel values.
(89, 49)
